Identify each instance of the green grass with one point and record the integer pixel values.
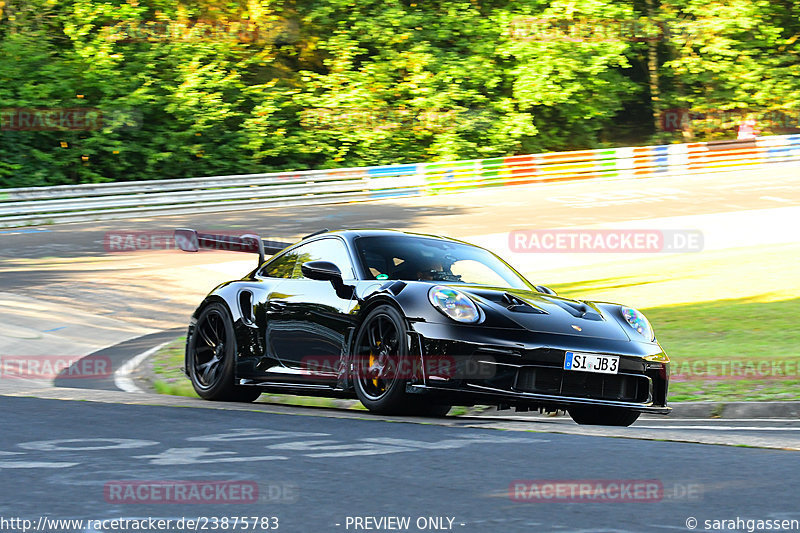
(744, 330)
(166, 364)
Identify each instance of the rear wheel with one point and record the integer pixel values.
(211, 357)
(603, 416)
(382, 366)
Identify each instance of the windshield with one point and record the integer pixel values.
(424, 259)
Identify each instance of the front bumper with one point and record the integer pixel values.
(525, 369)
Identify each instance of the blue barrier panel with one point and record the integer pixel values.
(393, 190)
(393, 170)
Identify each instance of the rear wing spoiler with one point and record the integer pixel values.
(190, 240)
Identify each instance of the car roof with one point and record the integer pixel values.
(351, 234)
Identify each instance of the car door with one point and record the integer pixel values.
(255, 301)
(307, 322)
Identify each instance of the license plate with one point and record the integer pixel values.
(591, 362)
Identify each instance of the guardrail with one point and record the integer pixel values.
(73, 203)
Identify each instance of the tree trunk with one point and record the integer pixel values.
(652, 69)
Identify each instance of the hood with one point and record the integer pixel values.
(544, 313)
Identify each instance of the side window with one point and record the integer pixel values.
(282, 267)
(332, 250)
(471, 271)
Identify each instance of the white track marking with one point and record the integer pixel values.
(776, 199)
(34, 464)
(721, 428)
(122, 377)
(190, 456)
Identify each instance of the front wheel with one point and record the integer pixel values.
(211, 357)
(383, 367)
(603, 416)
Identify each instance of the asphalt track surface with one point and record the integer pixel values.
(62, 458)
(63, 292)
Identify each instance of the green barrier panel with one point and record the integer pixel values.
(496, 171)
(442, 177)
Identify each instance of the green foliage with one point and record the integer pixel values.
(739, 55)
(206, 87)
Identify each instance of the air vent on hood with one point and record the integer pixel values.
(518, 305)
(577, 309)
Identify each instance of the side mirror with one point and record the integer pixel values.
(321, 271)
(327, 271)
(545, 290)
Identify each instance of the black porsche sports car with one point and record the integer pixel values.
(413, 324)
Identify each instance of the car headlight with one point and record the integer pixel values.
(637, 321)
(454, 304)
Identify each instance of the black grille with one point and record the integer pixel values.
(556, 381)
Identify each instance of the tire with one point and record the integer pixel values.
(211, 358)
(379, 350)
(603, 416)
